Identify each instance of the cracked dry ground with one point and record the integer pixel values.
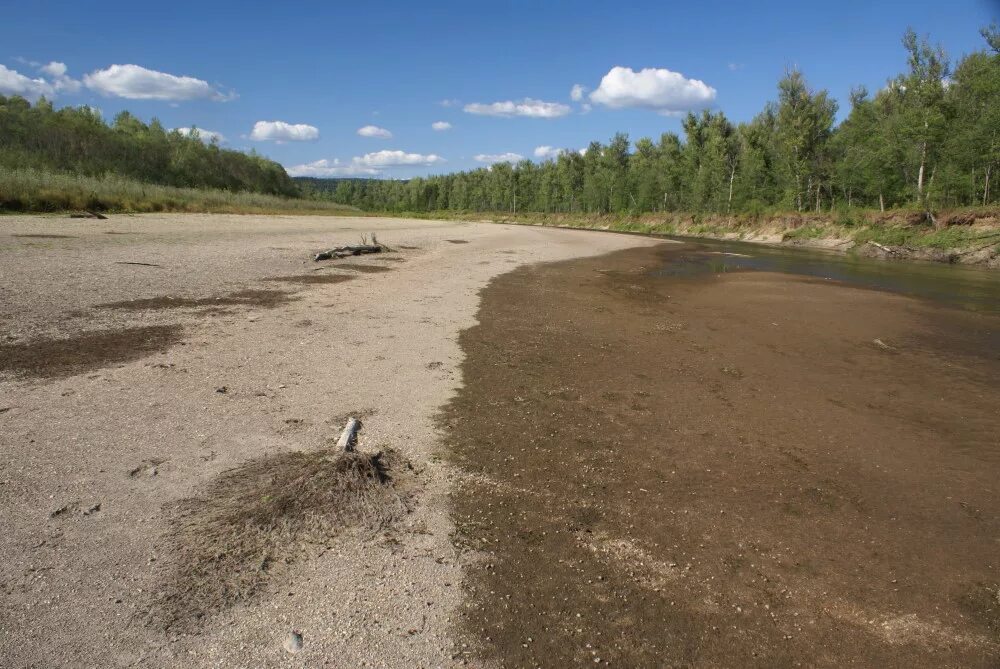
(726, 471)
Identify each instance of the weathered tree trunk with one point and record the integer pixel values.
(923, 164)
(881, 202)
(986, 187)
(732, 178)
(347, 437)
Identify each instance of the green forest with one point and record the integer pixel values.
(76, 140)
(930, 139)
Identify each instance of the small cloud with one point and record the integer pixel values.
(441, 126)
(450, 102)
(576, 93)
(279, 131)
(396, 159)
(61, 81)
(733, 67)
(659, 90)
(374, 131)
(498, 158)
(207, 136)
(138, 83)
(13, 82)
(54, 69)
(526, 107)
(329, 168)
(548, 152)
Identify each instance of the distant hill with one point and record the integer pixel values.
(76, 140)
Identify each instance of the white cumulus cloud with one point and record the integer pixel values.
(576, 93)
(207, 136)
(54, 69)
(279, 131)
(526, 107)
(546, 152)
(659, 90)
(369, 164)
(60, 80)
(13, 82)
(138, 83)
(499, 157)
(329, 168)
(441, 126)
(387, 158)
(374, 131)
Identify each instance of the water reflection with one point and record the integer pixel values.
(967, 287)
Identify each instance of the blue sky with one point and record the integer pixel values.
(329, 69)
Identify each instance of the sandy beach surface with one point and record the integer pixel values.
(578, 449)
(145, 356)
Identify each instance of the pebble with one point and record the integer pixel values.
(293, 642)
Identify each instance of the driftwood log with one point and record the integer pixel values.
(90, 214)
(350, 434)
(345, 251)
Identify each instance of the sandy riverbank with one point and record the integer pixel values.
(111, 416)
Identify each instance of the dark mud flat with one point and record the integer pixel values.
(738, 470)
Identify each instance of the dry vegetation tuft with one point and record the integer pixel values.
(253, 520)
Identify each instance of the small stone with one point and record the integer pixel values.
(58, 512)
(293, 642)
(222, 389)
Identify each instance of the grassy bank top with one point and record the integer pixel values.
(31, 190)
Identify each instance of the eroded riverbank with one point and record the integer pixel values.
(741, 469)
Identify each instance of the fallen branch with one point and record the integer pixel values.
(90, 214)
(346, 251)
(885, 249)
(350, 435)
(142, 264)
(980, 248)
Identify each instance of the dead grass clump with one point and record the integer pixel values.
(253, 520)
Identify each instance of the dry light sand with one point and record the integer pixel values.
(94, 452)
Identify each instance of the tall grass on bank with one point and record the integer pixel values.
(30, 190)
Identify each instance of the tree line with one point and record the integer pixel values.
(77, 140)
(929, 139)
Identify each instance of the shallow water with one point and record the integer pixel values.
(956, 285)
